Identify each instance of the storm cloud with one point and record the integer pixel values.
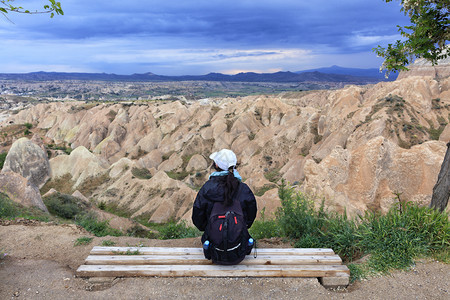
(197, 37)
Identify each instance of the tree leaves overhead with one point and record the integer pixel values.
(7, 6)
(426, 37)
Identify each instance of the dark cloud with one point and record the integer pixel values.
(109, 33)
(258, 23)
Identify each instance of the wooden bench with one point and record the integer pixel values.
(181, 262)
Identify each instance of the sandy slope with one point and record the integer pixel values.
(42, 260)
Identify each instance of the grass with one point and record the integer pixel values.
(177, 175)
(273, 175)
(114, 208)
(174, 230)
(392, 241)
(141, 173)
(84, 240)
(12, 210)
(62, 184)
(67, 209)
(108, 243)
(90, 222)
(264, 228)
(261, 191)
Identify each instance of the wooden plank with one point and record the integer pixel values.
(200, 260)
(98, 250)
(213, 271)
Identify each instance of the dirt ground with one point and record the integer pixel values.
(42, 261)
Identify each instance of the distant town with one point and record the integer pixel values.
(50, 86)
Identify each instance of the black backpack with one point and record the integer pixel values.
(227, 234)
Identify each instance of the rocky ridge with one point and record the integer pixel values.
(359, 148)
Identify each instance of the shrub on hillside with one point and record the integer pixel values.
(7, 207)
(2, 159)
(90, 222)
(141, 173)
(65, 206)
(393, 240)
(404, 233)
(173, 230)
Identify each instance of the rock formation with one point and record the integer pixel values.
(422, 67)
(29, 160)
(20, 190)
(358, 148)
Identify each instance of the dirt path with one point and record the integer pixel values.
(42, 260)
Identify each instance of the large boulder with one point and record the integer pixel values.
(422, 67)
(373, 175)
(81, 164)
(21, 190)
(29, 160)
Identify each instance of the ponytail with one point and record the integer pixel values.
(231, 185)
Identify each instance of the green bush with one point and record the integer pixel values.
(341, 234)
(393, 240)
(64, 206)
(173, 230)
(11, 210)
(177, 175)
(99, 228)
(84, 240)
(138, 231)
(141, 173)
(7, 207)
(108, 243)
(397, 238)
(2, 159)
(28, 125)
(297, 215)
(263, 228)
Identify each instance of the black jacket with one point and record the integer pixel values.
(213, 191)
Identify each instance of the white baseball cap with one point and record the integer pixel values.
(224, 159)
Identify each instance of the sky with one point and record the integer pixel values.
(196, 37)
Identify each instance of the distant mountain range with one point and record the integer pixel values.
(375, 73)
(332, 74)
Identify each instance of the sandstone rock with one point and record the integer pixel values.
(80, 164)
(257, 181)
(293, 170)
(28, 160)
(268, 203)
(421, 67)
(151, 141)
(445, 135)
(151, 160)
(187, 218)
(80, 196)
(328, 138)
(375, 172)
(173, 163)
(116, 222)
(197, 162)
(36, 139)
(119, 167)
(20, 190)
(163, 213)
(52, 191)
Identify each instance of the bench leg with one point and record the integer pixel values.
(335, 282)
